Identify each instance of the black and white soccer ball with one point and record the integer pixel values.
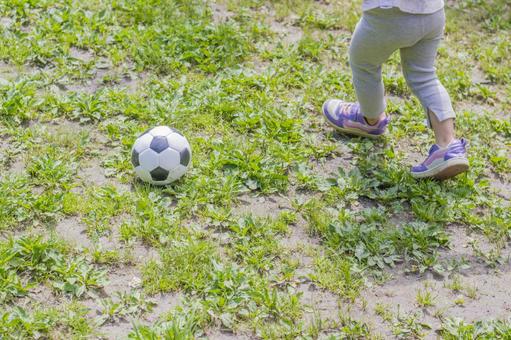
(161, 155)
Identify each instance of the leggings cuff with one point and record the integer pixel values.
(440, 114)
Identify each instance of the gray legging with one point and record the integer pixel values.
(379, 33)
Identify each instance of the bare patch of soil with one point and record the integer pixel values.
(481, 109)
(93, 173)
(296, 243)
(400, 297)
(219, 335)
(9, 72)
(133, 82)
(4, 146)
(71, 230)
(501, 188)
(318, 303)
(80, 54)
(258, 66)
(287, 33)
(118, 330)
(142, 253)
(298, 236)
(484, 294)
(6, 22)
(220, 13)
(123, 279)
(89, 86)
(41, 295)
(259, 206)
(58, 127)
(164, 304)
(330, 167)
(17, 167)
(478, 76)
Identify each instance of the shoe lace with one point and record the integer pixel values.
(346, 108)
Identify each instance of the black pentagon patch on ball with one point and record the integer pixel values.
(159, 144)
(134, 158)
(184, 157)
(159, 174)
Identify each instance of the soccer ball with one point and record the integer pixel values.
(161, 155)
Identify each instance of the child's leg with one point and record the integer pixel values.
(418, 68)
(378, 34)
(370, 47)
(448, 157)
(444, 130)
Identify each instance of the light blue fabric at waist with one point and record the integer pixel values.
(408, 6)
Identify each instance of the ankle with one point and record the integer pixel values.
(445, 142)
(374, 121)
(444, 130)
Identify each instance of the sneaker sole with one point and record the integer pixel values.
(349, 131)
(445, 170)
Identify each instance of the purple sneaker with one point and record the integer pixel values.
(346, 117)
(444, 163)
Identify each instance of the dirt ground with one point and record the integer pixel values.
(479, 292)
